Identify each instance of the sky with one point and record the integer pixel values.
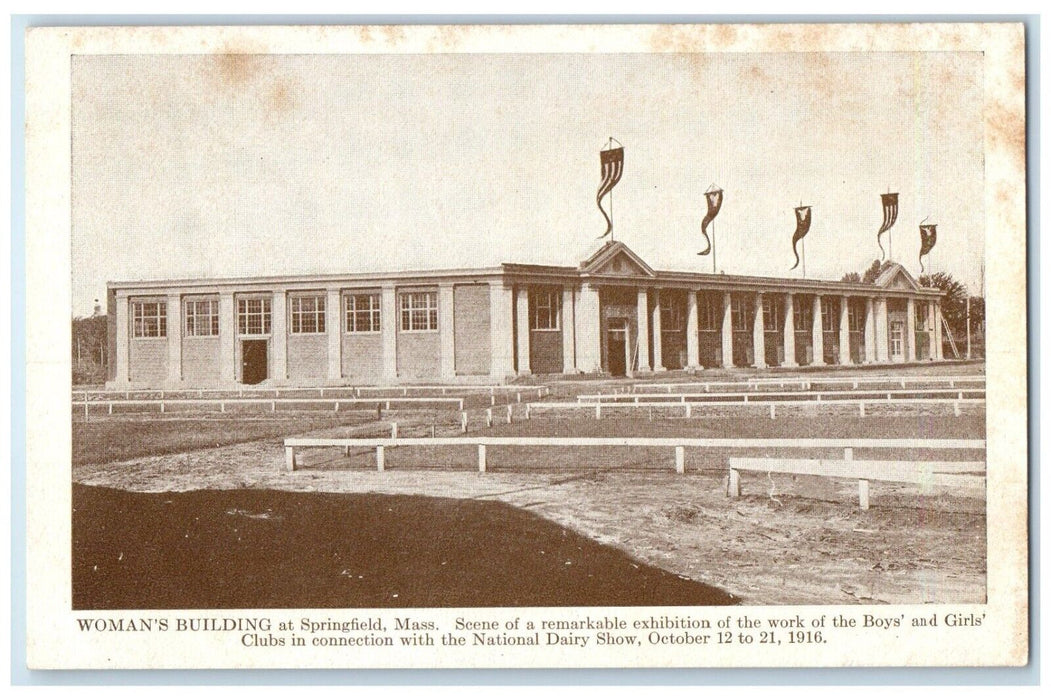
(227, 166)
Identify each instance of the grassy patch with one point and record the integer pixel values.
(99, 442)
(273, 549)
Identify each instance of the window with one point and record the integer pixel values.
(202, 317)
(921, 316)
(362, 313)
(829, 322)
(308, 313)
(149, 319)
(419, 311)
(855, 318)
(741, 314)
(710, 313)
(253, 316)
(803, 314)
(773, 314)
(671, 318)
(545, 305)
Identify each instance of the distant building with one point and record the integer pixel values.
(613, 313)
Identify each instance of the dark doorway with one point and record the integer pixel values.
(253, 361)
(616, 346)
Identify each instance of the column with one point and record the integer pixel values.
(658, 340)
(693, 349)
(569, 323)
(122, 374)
(227, 338)
(279, 334)
(389, 332)
(728, 331)
(870, 332)
(446, 331)
(589, 327)
(882, 348)
(334, 333)
(910, 330)
(174, 332)
(522, 318)
(790, 332)
(501, 340)
(844, 330)
(758, 333)
(818, 333)
(939, 353)
(642, 316)
(932, 346)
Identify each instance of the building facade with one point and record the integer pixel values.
(613, 313)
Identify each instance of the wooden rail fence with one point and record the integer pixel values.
(940, 472)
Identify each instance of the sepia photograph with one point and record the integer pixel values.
(388, 345)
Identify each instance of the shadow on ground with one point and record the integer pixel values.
(275, 549)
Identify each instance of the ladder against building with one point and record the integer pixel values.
(952, 342)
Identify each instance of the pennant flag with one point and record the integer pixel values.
(928, 237)
(612, 168)
(802, 227)
(890, 215)
(715, 201)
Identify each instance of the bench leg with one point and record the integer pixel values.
(734, 485)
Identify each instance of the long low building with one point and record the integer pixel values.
(613, 314)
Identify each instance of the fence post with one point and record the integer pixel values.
(492, 399)
(863, 494)
(394, 430)
(290, 458)
(956, 408)
(773, 410)
(336, 409)
(598, 411)
(861, 408)
(680, 459)
(689, 410)
(518, 397)
(481, 457)
(733, 486)
(489, 417)
(379, 458)
(463, 422)
(527, 411)
(509, 414)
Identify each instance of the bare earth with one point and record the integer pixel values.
(788, 540)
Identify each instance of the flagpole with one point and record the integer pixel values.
(713, 247)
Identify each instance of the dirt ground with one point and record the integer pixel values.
(788, 540)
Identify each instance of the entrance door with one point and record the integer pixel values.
(897, 341)
(616, 351)
(253, 361)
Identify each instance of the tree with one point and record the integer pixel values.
(89, 350)
(870, 275)
(954, 303)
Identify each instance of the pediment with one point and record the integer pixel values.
(615, 258)
(897, 277)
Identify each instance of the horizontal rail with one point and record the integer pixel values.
(274, 402)
(482, 443)
(331, 391)
(808, 381)
(933, 473)
(831, 395)
(625, 441)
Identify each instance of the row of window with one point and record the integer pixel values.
(306, 315)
